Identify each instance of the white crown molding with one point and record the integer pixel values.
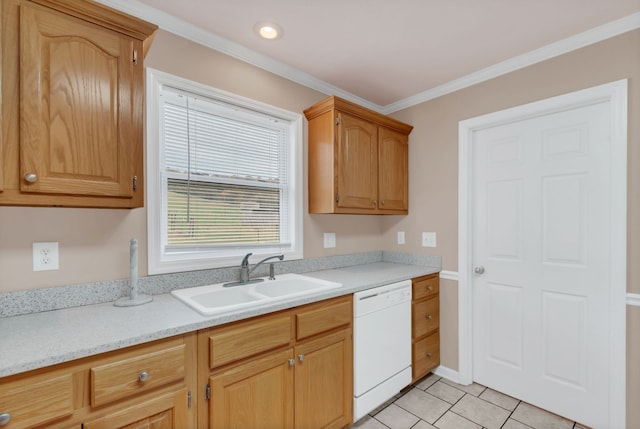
(589, 37)
(196, 34)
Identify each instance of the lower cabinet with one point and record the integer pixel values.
(425, 325)
(292, 369)
(284, 370)
(144, 386)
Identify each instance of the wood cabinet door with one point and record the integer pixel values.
(255, 394)
(78, 94)
(393, 161)
(357, 161)
(324, 382)
(168, 411)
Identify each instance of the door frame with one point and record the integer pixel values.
(615, 93)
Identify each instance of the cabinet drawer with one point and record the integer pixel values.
(34, 401)
(425, 286)
(247, 339)
(426, 316)
(426, 355)
(331, 315)
(135, 375)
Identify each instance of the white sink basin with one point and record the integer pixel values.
(215, 299)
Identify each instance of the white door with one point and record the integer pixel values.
(540, 233)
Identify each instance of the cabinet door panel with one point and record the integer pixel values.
(76, 106)
(357, 163)
(393, 150)
(258, 394)
(165, 412)
(324, 382)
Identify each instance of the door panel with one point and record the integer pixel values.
(541, 224)
(357, 163)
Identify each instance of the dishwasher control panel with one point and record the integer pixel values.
(374, 299)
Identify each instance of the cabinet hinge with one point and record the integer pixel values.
(207, 392)
(135, 183)
(337, 120)
(189, 399)
(134, 56)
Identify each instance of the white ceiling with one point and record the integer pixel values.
(384, 52)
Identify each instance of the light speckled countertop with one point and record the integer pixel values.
(41, 339)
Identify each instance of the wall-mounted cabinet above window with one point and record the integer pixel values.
(358, 160)
(72, 104)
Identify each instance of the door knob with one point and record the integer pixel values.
(479, 269)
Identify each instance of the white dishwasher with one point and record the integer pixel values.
(381, 345)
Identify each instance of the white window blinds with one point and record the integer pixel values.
(226, 171)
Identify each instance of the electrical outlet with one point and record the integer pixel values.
(400, 237)
(45, 256)
(428, 239)
(329, 240)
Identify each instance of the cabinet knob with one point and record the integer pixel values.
(292, 361)
(429, 317)
(479, 270)
(429, 354)
(144, 376)
(300, 358)
(5, 418)
(374, 202)
(31, 177)
(430, 288)
(382, 202)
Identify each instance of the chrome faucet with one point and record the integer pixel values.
(245, 272)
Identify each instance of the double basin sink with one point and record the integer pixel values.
(216, 299)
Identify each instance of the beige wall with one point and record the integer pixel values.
(433, 165)
(94, 243)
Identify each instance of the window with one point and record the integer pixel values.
(224, 177)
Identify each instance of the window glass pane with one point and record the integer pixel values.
(212, 213)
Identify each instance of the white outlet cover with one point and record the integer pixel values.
(45, 256)
(329, 240)
(429, 239)
(401, 237)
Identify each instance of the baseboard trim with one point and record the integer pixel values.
(448, 373)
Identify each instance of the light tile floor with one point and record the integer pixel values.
(435, 402)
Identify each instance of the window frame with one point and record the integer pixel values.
(160, 260)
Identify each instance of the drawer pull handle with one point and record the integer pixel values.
(144, 376)
(300, 358)
(429, 317)
(5, 418)
(31, 177)
(429, 354)
(292, 361)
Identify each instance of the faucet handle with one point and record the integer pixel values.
(245, 260)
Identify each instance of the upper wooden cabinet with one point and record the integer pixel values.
(73, 86)
(358, 160)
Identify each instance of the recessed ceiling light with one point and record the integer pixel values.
(268, 30)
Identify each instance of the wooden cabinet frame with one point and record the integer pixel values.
(358, 160)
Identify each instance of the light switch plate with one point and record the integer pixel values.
(400, 237)
(45, 256)
(428, 239)
(329, 240)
